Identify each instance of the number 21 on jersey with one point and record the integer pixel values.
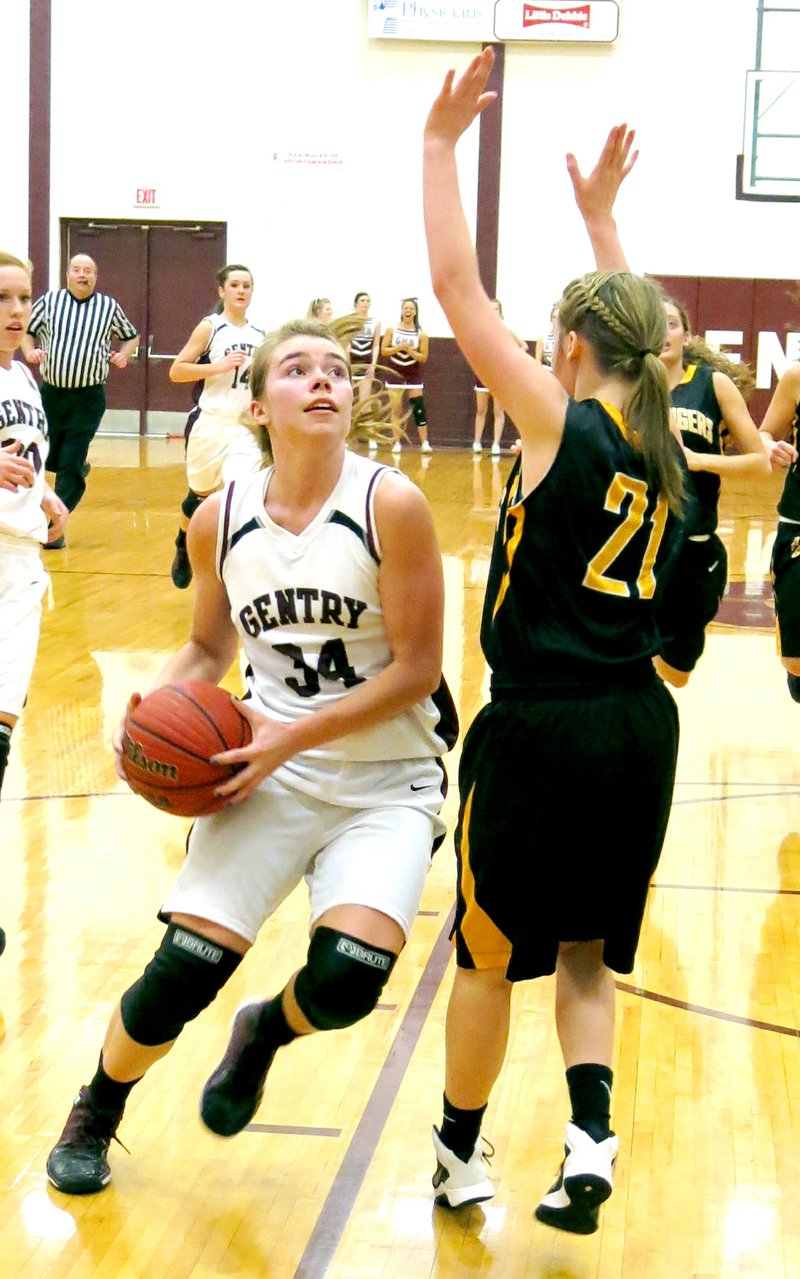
(598, 577)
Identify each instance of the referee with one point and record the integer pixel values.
(73, 328)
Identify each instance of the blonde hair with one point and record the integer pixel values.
(8, 259)
(622, 318)
(370, 416)
(315, 306)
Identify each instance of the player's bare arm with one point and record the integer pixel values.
(534, 398)
(751, 458)
(776, 428)
(184, 367)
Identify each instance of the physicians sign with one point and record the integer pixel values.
(587, 21)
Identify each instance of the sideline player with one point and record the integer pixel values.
(326, 561)
(219, 444)
(547, 881)
(779, 433)
(30, 512)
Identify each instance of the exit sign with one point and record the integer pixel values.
(146, 198)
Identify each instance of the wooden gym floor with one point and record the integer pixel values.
(334, 1178)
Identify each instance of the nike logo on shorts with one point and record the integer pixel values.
(711, 567)
(424, 786)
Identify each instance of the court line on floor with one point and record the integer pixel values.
(341, 1197)
(723, 888)
(750, 1022)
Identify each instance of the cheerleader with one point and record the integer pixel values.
(405, 348)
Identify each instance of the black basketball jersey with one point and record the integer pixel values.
(789, 505)
(575, 563)
(698, 416)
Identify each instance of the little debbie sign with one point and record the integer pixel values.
(590, 21)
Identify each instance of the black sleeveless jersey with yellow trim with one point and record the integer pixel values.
(789, 505)
(696, 413)
(575, 564)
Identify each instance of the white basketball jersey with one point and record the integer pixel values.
(229, 393)
(22, 418)
(308, 610)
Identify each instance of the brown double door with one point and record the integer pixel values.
(163, 276)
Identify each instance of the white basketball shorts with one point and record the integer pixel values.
(244, 861)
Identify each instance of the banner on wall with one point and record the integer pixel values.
(587, 21)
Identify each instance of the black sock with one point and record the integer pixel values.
(273, 1027)
(794, 687)
(180, 540)
(5, 747)
(460, 1129)
(590, 1094)
(106, 1095)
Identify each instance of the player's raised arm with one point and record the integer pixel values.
(595, 195)
(533, 398)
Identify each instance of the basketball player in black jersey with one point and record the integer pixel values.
(567, 775)
(779, 432)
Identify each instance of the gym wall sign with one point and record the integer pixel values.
(588, 21)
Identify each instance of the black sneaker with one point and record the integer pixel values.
(793, 682)
(77, 1164)
(232, 1095)
(2, 941)
(181, 568)
(57, 545)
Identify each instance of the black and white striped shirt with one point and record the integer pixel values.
(75, 335)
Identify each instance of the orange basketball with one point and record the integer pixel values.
(169, 739)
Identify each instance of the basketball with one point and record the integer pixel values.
(169, 739)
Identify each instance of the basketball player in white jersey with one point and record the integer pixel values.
(30, 512)
(219, 445)
(325, 568)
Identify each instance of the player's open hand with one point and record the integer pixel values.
(460, 101)
(16, 472)
(595, 194)
(269, 749)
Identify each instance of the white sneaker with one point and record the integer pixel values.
(397, 447)
(495, 450)
(477, 448)
(585, 1180)
(425, 447)
(457, 1183)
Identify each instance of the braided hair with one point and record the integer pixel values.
(621, 316)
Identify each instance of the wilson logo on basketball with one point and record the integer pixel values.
(156, 767)
(534, 15)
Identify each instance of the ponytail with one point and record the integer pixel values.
(621, 316)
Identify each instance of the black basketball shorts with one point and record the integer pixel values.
(564, 809)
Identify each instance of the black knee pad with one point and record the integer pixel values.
(342, 980)
(418, 411)
(5, 747)
(191, 502)
(184, 976)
